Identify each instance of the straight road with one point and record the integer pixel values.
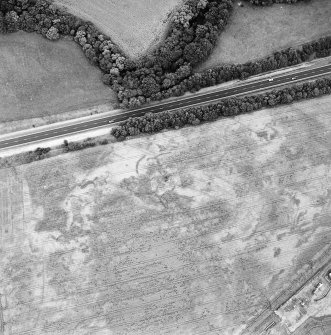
(245, 88)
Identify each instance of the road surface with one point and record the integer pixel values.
(244, 88)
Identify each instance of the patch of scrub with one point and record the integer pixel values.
(147, 20)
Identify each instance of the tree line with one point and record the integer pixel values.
(152, 123)
(191, 37)
(169, 70)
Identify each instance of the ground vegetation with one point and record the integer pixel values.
(151, 123)
(43, 81)
(173, 233)
(168, 70)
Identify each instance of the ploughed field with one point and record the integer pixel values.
(184, 232)
(134, 25)
(255, 32)
(40, 78)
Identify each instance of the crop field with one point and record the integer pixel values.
(255, 32)
(39, 78)
(135, 25)
(315, 326)
(184, 232)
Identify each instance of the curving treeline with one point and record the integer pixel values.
(191, 37)
(280, 59)
(169, 70)
(153, 123)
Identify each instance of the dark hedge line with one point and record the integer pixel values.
(152, 123)
(191, 37)
(281, 59)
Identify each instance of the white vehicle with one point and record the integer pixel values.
(293, 78)
(271, 79)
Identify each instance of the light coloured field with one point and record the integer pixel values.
(134, 25)
(39, 78)
(185, 232)
(315, 326)
(255, 32)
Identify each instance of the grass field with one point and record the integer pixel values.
(135, 25)
(255, 32)
(184, 232)
(40, 78)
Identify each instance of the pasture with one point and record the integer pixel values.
(184, 232)
(40, 78)
(134, 25)
(256, 32)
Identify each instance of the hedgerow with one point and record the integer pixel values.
(169, 70)
(81, 145)
(281, 59)
(152, 123)
(42, 153)
(25, 157)
(191, 37)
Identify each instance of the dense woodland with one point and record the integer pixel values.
(152, 123)
(169, 70)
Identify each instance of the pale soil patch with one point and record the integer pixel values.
(135, 25)
(40, 78)
(255, 32)
(173, 233)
